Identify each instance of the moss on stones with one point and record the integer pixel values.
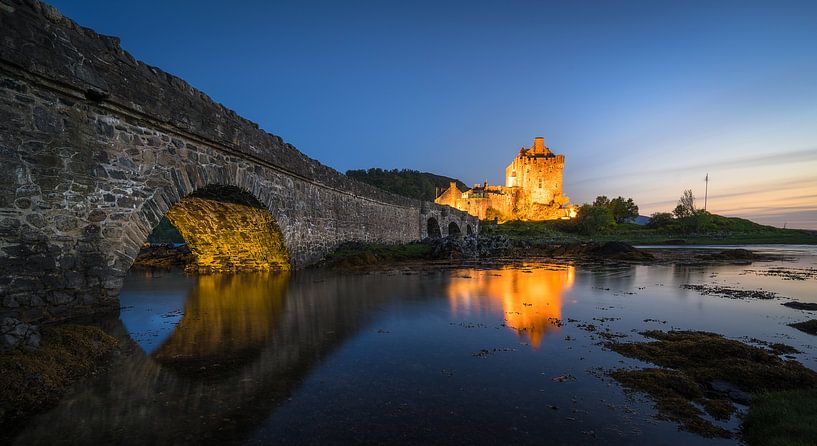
(32, 381)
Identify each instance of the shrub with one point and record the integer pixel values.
(594, 219)
(494, 214)
(699, 222)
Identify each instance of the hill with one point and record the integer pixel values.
(409, 183)
(699, 229)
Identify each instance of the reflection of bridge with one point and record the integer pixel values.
(97, 147)
(243, 346)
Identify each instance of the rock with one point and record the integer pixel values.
(810, 306)
(729, 390)
(730, 254)
(164, 256)
(563, 378)
(618, 251)
(469, 247)
(15, 333)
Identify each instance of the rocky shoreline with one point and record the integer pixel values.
(500, 249)
(496, 248)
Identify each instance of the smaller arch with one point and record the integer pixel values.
(469, 230)
(433, 228)
(454, 230)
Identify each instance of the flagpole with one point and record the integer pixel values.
(706, 190)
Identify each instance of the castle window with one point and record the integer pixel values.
(540, 184)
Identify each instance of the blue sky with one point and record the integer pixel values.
(643, 98)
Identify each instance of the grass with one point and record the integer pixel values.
(714, 229)
(692, 361)
(782, 419)
(32, 381)
(532, 231)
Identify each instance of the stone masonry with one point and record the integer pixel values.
(96, 147)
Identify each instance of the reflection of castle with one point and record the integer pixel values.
(530, 300)
(532, 191)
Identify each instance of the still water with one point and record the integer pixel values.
(483, 354)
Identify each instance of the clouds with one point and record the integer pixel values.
(768, 160)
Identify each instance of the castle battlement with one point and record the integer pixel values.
(532, 190)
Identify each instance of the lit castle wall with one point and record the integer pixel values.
(532, 191)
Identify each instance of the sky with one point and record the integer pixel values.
(643, 98)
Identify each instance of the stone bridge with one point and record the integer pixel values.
(96, 147)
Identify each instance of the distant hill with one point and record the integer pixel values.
(409, 183)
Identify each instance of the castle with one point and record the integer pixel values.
(532, 191)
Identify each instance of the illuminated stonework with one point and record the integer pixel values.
(532, 191)
(227, 230)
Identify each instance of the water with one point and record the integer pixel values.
(439, 356)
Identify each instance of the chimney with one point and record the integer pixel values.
(538, 144)
(453, 185)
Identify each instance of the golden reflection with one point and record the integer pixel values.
(529, 298)
(226, 315)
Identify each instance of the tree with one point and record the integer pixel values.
(622, 209)
(686, 205)
(602, 201)
(660, 219)
(593, 219)
(409, 183)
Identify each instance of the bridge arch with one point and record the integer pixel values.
(228, 229)
(226, 220)
(454, 229)
(469, 230)
(433, 228)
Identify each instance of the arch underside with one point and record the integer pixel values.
(227, 229)
(453, 229)
(433, 228)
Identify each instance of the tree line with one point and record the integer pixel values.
(604, 214)
(405, 182)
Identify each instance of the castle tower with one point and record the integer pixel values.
(538, 145)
